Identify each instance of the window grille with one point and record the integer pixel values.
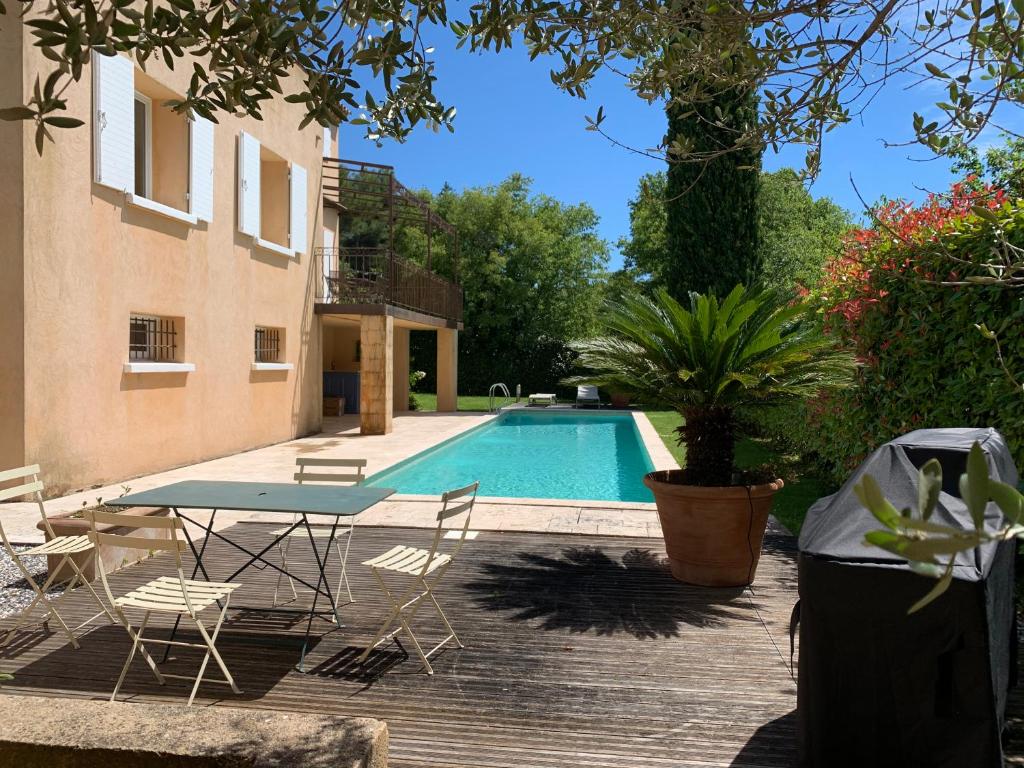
(152, 338)
(268, 345)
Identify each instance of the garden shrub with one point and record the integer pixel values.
(925, 363)
(538, 366)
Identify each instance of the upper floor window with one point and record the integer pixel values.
(159, 158)
(272, 198)
(143, 146)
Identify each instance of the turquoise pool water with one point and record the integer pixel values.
(534, 454)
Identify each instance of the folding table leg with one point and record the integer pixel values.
(321, 564)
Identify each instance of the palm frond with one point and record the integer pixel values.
(755, 347)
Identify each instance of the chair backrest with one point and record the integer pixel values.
(453, 503)
(28, 484)
(311, 470)
(133, 524)
(586, 392)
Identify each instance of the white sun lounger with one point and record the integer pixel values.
(541, 399)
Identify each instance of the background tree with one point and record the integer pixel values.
(530, 267)
(798, 233)
(711, 207)
(644, 251)
(1000, 166)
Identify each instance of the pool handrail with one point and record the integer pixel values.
(492, 393)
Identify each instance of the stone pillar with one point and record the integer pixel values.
(447, 369)
(376, 373)
(401, 367)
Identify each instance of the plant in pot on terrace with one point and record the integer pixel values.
(716, 362)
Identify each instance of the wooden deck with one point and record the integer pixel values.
(581, 651)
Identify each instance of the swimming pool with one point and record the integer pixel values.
(593, 455)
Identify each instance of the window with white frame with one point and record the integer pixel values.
(143, 146)
(272, 198)
(160, 159)
(152, 339)
(155, 345)
(269, 345)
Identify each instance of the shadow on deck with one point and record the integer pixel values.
(580, 651)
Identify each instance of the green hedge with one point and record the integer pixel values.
(925, 362)
(538, 366)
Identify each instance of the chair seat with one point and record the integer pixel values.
(319, 532)
(165, 594)
(401, 559)
(61, 545)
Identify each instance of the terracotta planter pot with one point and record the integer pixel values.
(712, 535)
(620, 400)
(114, 558)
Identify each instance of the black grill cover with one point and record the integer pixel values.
(877, 687)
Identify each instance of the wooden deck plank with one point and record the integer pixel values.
(581, 651)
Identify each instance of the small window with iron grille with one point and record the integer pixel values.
(152, 339)
(269, 345)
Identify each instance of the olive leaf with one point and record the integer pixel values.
(937, 591)
(871, 496)
(974, 485)
(929, 485)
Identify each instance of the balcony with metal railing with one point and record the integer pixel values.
(365, 270)
(361, 276)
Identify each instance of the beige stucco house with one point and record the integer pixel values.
(170, 289)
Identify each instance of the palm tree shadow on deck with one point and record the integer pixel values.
(585, 589)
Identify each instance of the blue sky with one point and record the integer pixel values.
(511, 118)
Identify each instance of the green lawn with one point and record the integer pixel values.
(427, 401)
(791, 503)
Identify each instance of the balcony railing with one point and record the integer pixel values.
(376, 276)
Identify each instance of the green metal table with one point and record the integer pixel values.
(304, 500)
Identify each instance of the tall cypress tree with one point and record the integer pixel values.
(711, 207)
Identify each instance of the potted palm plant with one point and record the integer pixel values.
(715, 362)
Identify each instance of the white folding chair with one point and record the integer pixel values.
(417, 565)
(167, 594)
(67, 571)
(321, 532)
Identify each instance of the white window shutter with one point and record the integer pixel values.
(201, 169)
(298, 209)
(328, 141)
(248, 185)
(114, 121)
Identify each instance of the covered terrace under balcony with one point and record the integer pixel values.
(388, 267)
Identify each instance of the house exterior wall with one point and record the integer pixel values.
(340, 348)
(88, 261)
(13, 147)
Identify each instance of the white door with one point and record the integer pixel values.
(328, 258)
